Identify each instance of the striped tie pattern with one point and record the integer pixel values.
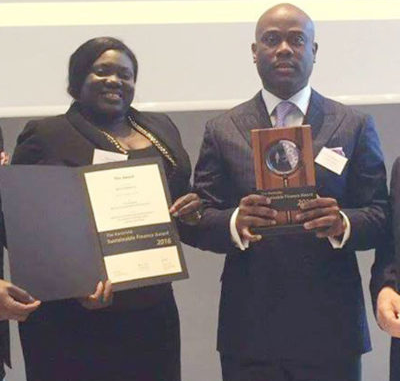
(282, 111)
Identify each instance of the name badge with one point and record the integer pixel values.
(331, 160)
(101, 156)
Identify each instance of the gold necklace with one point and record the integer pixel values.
(160, 147)
(115, 142)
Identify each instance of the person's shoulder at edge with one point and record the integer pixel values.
(36, 136)
(226, 116)
(44, 126)
(333, 106)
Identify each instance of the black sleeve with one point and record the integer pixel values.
(210, 182)
(30, 147)
(2, 230)
(367, 191)
(385, 270)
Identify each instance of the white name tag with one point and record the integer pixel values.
(331, 160)
(100, 156)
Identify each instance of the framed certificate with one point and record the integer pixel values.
(68, 228)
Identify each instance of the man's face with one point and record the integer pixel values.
(284, 50)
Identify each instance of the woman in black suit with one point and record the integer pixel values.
(134, 334)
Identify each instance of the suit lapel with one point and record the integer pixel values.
(88, 130)
(324, 119)
(255, 116)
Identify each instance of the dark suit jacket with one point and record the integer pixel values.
(70, 140)
(394, 267)
(4, 326)
(395, 202)
(292, 297)
(386, 268)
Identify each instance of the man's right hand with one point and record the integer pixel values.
(4, 158)
(388, 310)
(15, 303)
(254, 211)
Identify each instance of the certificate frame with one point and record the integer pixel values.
(168, 240)
(61, 254)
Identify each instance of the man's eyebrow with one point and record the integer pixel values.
(268, 30)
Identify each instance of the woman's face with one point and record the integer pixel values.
(109, 88)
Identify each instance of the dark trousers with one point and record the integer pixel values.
(290, 370)
(395, 360)
(126, 345)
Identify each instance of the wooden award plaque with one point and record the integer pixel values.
(284, 166)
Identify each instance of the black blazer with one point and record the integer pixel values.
(395, 200)
(4, 326)
(394, 268)
(386, 268)
(292, 297)
(70, 140)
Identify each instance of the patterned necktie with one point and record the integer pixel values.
(282, 111)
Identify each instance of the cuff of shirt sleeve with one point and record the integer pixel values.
(336, 244)
(242, 245)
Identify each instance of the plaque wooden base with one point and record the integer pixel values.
(284, 165)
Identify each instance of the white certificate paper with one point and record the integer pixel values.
(132, 217)
(145, 263)
(127, 197)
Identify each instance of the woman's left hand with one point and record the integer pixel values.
(101, 298)
(188, 209)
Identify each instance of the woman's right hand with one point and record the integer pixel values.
(188, 209)
(101, 298)
(15, 303)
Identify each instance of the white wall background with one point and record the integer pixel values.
(195, 56)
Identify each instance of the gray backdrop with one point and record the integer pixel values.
(198, 297)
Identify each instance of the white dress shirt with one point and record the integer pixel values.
(295, 118)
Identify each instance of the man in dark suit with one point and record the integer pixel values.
(386, 277)
(15, 304)
(291, 306)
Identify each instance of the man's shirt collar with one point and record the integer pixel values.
(301, 99)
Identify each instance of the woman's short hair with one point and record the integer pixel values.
(81, 61)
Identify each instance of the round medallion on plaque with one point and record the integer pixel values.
(283, 157)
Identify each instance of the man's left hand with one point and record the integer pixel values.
(322, 215)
